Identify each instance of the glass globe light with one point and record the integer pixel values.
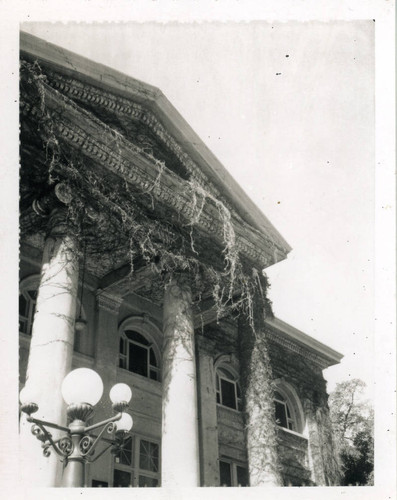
(28, 395)
(82, 386)
(120, 393)
(125, 423)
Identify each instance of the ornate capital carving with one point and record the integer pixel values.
(63, 192)
(178, 285)
(110, 303)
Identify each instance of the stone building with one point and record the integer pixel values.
(143, 259)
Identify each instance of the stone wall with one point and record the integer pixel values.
(305, 376)
(306, 458)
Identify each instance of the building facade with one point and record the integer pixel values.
(143, 259)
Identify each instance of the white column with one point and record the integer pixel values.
(51, 348)
(180, 455)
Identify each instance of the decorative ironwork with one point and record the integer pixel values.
(40, 434)
(65, 444)
(85, 444)
(111, 428)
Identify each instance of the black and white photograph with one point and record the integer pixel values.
(203, 206)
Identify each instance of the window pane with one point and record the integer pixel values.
(278, 396)
(147, 482)
(242, 476)
(153, 375)
(225, 474)
(153, 360)
(99, 484)
(121, 479)
(33, 294)
(23, 325)
(281, 416)
(228, 394)
(138, 360)
(122, 346)
(226, 373)
(136, 337)
(23, 306)
(149, 456)
(125, 454)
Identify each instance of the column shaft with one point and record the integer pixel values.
(323, 456)
(256, 378)
(180, 457)
(51, 348)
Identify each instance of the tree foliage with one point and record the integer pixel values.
(353, 422)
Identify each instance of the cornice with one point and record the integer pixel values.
(291, 346)
(122, 106)
(310, 344)
(78, 128)
(72, 65)
(108, 302)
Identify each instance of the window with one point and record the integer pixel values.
(227, 389)
(138, 464)
(27, 306)
(99, 484)
(232, 474)
(288, 409)
(283, 413)
(137, 355)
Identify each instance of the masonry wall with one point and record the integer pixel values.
(307, 458)
(310, 460)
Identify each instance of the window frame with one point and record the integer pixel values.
(293, 404)
(290, 421)
(30, 306)
(135, 469)
(233, 464)
(149, 347)
(145, 327)
(231, 378)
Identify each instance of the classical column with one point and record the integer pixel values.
(51, 348)
(323, 456)
(208, 420)
(180, 456)
(256, 377)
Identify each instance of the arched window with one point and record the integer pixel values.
(287, 407)
(137, 355)
(283, 413)
(228, 391)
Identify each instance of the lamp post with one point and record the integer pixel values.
(81, 389)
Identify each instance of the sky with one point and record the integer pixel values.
(288, 108)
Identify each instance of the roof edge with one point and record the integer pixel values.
(334, 357)
(118, 82)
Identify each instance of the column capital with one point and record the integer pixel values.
(179, 283)
(108, 302)
(59, 196)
